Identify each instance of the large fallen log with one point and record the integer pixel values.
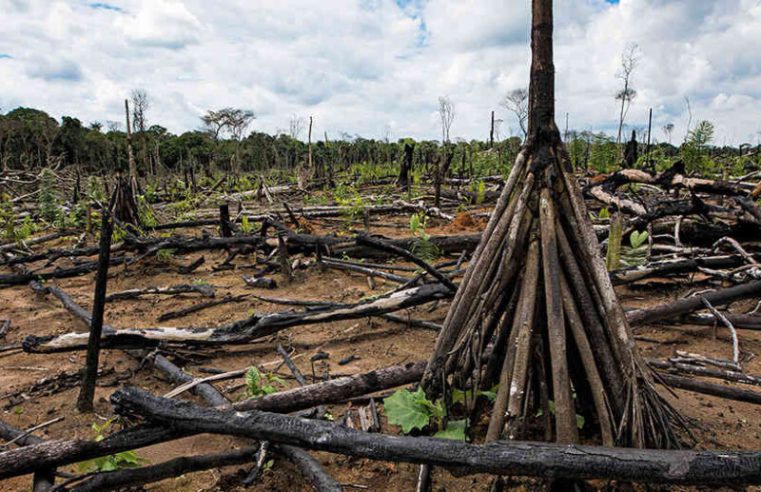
(500, 457)
(242, 331)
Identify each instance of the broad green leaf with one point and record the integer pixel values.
(408, 410)
(580, 420)
(455, 431)
(637, 238)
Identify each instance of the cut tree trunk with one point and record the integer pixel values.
(537, 285)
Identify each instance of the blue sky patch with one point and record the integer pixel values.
(106, 6)
(5, 56)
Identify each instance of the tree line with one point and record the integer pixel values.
(31, 139)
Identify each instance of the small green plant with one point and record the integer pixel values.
(422, 246)
(245, 225)
(48, 201)
(260, 384)
(478, 187)
(413, 410)
(636, 253)
(145, 212)
(164, 255)
(118, 461)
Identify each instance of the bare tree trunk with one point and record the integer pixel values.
(87, 391)
(130, 154)
(312, 170)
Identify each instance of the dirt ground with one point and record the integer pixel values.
(719, 424)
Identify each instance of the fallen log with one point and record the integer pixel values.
(37, 240)
(44, 478)
(370, 272)
(690, 304)
(203, 289)
(308, 465)
(673, 266)
(59, 452)
(713, 389)
(336, 390)
(242, 331)
(200, 307)
(119, 479)
(698, 370)
(86, 267)
(739, 321)
(185, 244)
(499, 458)
(374, 243)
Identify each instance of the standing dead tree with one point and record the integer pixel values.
(446, 113)
(139, 108)
(130, 153)
(516, 101)
(536, 312)
(627, 93)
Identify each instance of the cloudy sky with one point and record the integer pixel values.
(377, 67)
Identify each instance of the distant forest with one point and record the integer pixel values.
(32, 139)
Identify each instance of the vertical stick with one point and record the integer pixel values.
(649, 129)
(87, 392)
(224, 220)
(309, 144)
(130, 154)
(491, 133)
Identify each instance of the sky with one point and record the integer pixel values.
(376, 68)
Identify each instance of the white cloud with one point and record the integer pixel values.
(160, 23)
(362, 66)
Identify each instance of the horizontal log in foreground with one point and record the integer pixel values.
(500, 458)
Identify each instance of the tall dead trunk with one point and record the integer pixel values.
(130, 153)
(537, 285)
(404, 170)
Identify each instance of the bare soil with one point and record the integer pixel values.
(719, 423)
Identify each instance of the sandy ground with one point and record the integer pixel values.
(376, 343)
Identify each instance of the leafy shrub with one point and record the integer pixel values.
(260, 384)
(422, 246)
(413, 411)
(125, 459)
(48, 201)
